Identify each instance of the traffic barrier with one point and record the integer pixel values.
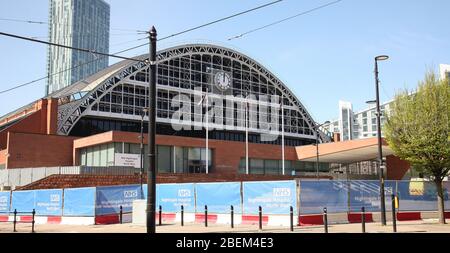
(310, 220)
(357, 217)
(408, 216)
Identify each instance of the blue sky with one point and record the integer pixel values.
(324, 56)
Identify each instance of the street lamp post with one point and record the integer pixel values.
(316, 127)
(151, 174)
(380, 150)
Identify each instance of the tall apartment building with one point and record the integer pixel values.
(76, 23)
(357, 125)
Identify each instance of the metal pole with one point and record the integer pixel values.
(32, 220)
(394, 216)
(380, 150)
(232, 217)
(15, 220)
(363, 219)
(291, 212)
(206, 215)
(151, 174)
(260, 217)
(325, 219)
(182, 215)
(160, 215)
(120, 215)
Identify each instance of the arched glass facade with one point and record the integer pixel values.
(191, 72)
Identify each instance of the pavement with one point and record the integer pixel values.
(424, 226)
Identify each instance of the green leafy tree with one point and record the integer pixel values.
(418, 130)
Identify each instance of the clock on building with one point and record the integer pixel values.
(222, 80)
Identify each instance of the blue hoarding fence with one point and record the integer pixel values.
(45, 202)
(109, 199)
(274, 197)
(79, 202)
(48, 202)
(219, 196)
(172, 196)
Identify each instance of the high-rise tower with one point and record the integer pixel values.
(76, 23)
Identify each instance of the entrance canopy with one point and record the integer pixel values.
(344, 152)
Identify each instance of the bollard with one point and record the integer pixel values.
(363, 219)
(32, 221)
(15, 219)
(260, 217)
(394, 216)
(325, 219)
(160, 215)
(292, 218)
(120, 214)
(232, 217)
(182, 215)
(206, 215)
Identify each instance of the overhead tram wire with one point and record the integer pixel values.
(23, 21)
(68, 47)
(132, 48)
(45, 23)
(220, 20)
(60, 72)
(283, 20)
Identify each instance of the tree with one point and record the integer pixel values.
(418, 131)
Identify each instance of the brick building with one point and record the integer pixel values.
(207, 96)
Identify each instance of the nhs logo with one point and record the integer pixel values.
(130, 194)
(54, 197)
(184, 193)
(281, 192)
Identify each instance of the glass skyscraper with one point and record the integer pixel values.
(76, 23)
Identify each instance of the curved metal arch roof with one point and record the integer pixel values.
(92, 88)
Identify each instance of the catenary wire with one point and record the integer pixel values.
(138, 46)
(283, 20)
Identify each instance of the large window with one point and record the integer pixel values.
(169, 159)
(164, 159)
(180, 76)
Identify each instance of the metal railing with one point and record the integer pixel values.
(15, 220)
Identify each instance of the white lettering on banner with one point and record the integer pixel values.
(130, 194)
(54, 198)
(3, 199)
(184, 193)
(127, 160)
(281, 192)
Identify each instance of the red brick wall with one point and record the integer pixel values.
(30, 124)
(37, 150)
(42, 121)
(396, 168)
